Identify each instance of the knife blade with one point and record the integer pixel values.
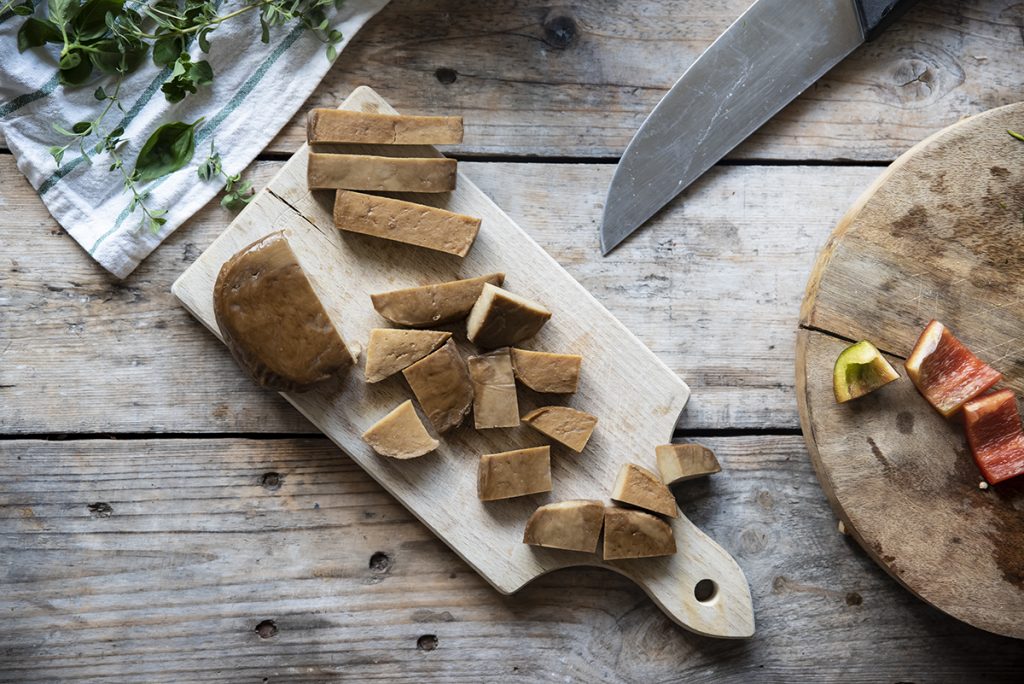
(771, 54)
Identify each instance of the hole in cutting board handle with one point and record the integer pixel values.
(705, 591)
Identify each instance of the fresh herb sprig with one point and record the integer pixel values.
(108, 37)
(237, 193)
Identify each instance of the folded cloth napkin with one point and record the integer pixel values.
(257, 88)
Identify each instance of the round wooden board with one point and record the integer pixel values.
(939, 236)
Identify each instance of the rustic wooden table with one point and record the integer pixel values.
(161, 519)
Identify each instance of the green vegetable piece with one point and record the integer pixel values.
(859, 370)
(36, 33)
(169, 148)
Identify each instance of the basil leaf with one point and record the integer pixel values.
(77, 71)
(62, 11)
(24, 10)
(168, 149)
(37, 32)
(90, 23)
(167, 49)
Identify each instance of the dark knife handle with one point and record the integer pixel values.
(875, 15)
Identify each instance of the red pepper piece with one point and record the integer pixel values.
(995, 435)
(946, 372)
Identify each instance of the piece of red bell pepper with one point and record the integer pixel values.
(946, 372)
(995, 435)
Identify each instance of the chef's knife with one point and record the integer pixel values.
(771, 54)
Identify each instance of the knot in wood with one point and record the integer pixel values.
(101, 510)
(380, 563)
(427, 642)
(446, 76)
(271, 481)
(559, 30)
(266, 629)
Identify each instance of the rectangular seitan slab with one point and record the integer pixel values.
(341, 126)
(366, 172)
(408, 222)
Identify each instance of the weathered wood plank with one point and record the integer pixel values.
(156, 560)
(576, 80)
(713, 287)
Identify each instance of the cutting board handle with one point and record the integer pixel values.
(701, 587)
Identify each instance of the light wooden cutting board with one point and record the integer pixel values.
(635, 396)
(939, 235)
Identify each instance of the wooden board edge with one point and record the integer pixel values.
(808, 312)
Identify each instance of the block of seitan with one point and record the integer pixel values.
(501, 318)
(441, 384)
(514, 473)
(565, 425)
(494, 390)
(635, 534)
(546, 372)
(400, 434)
(391, 350)
(344, 126)
(640, 487)
(408, 222)
(273, 321)
(368, 172)
(420, 307)
(680, 462)
(569, 525)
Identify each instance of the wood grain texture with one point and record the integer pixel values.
(440, 490)
(938, 237)
(712, 286)
(532, 78)
(155, 560)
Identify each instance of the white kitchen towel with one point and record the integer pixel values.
(256, 89)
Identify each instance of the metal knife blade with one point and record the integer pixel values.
(771, 54)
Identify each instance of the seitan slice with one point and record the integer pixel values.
(569, 525)
(408, 222)
(680, 462)
(640, 487)
(501, 318)
(565, 425)
(367, 172)
(494, 390)
(400, 434)
(635, 534)
(514, 473)
(391, 350)
(420, 307)
(441, 384)
(346, 126)
(546, 372)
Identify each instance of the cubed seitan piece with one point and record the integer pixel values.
(569, 525)
(635, 534)
(372, 128)
(501, 318)
(273, 321)
(391, 350)
(421, 307)
(367, 172)
(494, 390)
(514, 473)
(640, 487)
(680, 462)
(565, 425)
(400, 434)
(546, 372)
(408, 222)
(441, 384)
